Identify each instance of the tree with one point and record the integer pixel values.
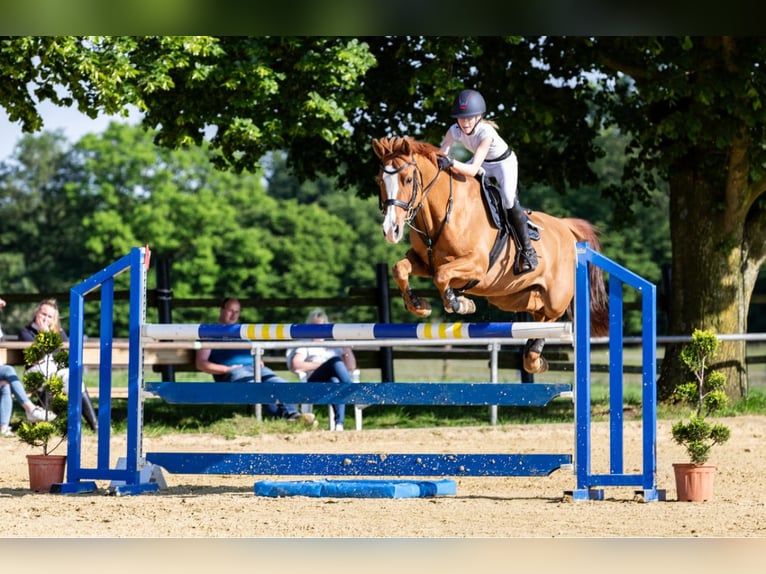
(245, 96)
(692, 108)
(222, 232)
(39, 215)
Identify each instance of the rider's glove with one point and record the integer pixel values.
(444, 161)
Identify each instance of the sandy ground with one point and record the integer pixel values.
(225, 506)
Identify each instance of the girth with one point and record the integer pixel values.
(494, 208)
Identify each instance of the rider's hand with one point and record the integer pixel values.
(444, 161)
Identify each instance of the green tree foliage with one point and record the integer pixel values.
(246, 96)
(366, 247)
(222, 232)
(175, 202)
(39, 213)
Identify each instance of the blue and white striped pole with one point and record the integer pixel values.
(356, 331)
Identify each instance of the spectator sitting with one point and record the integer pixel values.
(324, 364)
(10, 383)
(46, 319)
(236, 366)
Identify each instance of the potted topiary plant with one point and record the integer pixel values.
(43, 359)
(705, 394)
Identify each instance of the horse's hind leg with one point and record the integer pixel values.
(534, 362)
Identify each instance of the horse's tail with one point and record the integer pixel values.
(599, 300)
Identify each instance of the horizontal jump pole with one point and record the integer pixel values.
(388, 464)
(387, 393)
(356, 331)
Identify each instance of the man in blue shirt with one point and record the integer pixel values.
(236, 366)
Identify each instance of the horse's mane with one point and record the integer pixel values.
(394, 146)
(423, 148)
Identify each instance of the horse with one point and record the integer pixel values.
(455, 241)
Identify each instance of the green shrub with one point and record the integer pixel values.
(48, 388)
(705, 394)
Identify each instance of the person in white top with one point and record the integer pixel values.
(10, 386)
(324, 364)
(492, 155)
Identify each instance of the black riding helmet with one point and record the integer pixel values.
(468, 103)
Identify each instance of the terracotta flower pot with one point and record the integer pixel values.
(694, 482)
(45, 470)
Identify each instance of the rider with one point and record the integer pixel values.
(490, 152)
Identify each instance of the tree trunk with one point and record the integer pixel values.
(708, 290)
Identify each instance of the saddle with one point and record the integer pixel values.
(494, 205)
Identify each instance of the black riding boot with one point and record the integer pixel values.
(526, 259)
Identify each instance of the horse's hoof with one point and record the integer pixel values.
(535, 366)
(467, 306)
(461, 306)
(420, 310)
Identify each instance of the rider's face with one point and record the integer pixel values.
(468, 124)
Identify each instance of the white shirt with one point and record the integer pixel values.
(471, 142)
(314, 354)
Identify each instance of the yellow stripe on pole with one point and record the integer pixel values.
(451, 331)
(267, 331)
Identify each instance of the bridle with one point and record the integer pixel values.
(412, 209)
(396, 202)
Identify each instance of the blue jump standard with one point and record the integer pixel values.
(356, 488)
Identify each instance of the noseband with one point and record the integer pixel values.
(396, 202)
(410, 208)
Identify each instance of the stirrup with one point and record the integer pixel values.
(526, 261)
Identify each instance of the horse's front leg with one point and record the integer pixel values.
(454, 304)
(460, 271)
(402, 271)
(534, 362)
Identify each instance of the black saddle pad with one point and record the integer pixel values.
(496, 212)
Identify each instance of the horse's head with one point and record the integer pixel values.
(401, 181)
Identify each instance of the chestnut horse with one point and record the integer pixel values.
(452, 236)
